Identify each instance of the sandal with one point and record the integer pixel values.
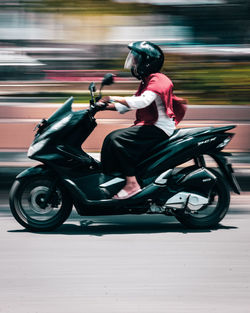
(123, 194)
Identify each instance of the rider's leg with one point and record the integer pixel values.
(131, 188)
(132, 184)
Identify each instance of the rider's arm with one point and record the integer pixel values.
(124, 104)
(142, 101)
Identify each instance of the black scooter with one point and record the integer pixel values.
(42, 197)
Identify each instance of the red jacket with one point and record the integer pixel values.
(163, 86)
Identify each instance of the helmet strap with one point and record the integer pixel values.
(135, 73)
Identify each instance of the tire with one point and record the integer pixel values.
(26, 197)
(211, 214)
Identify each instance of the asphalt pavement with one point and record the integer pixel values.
(127, 264)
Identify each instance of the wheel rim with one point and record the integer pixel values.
(31, 202)
(208, 209)
(37, 199)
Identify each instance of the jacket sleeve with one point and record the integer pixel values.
(142, 101)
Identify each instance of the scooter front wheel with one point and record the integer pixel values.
(39, 204)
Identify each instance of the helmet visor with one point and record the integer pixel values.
(133, 60)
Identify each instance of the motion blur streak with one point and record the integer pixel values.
(52, 49)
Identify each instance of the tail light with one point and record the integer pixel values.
(225, 141)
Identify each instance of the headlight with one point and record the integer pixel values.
(55, 127)
(60, 124)
(34, 148)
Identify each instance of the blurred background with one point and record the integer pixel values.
(52, 49)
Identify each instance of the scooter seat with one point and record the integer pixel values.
(182, 132)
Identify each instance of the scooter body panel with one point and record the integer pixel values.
(178, 152)
(166, 188)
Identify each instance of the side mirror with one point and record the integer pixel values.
(108, 79)
(92, 87)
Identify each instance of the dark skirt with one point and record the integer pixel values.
(124, 148)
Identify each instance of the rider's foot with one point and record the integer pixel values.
(123, 194)
(130, 189)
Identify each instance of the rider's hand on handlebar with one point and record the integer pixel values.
(105, 99)
(103, 103)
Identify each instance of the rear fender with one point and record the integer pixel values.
(226, 168)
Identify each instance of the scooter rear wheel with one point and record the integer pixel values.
(211, 214)
(27, 203)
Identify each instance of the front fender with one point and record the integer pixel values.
(33, 171)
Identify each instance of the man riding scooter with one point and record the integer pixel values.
(158, 111)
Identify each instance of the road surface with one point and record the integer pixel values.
(128, 264)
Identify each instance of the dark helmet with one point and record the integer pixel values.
(144, 58)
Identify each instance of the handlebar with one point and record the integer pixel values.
(96, 106)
